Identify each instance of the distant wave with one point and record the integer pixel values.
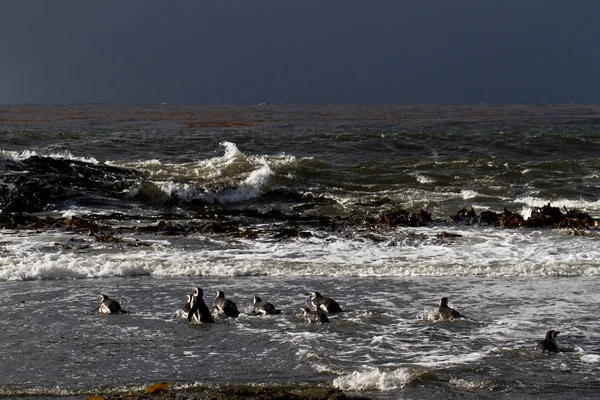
(230, 178)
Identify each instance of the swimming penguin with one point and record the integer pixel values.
(109, 306)
(447, 312)
(549, 343)
(199, 311)
(313, 317)
(324, 303)
(183, 313)
(188, 304)
(225, 306)
(263, 307)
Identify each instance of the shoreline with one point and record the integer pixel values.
(224, 391)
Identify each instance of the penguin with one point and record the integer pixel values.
(447, 312)
(183, 313)
(199, 311)
(263, 307)
(313, 317)
(225, 306)
(549, 343)
(188, 304)
(109, 306)
(324, 303)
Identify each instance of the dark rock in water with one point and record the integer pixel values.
(292, 233)
(576, 219)
(465, 216)
(489, 217)
(422, 217)
(36, 183)
(399, 216)
(445, 234)
(244, 392)
(546, 216)
(510, 219)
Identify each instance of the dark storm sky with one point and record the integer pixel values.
(381, 51)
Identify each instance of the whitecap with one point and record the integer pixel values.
(424, 179)
(376, 379)
(591, 358)
(469, 194)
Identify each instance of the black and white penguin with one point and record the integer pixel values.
(109, 306)
(225, 306)
(188, 304)
(263, 307)
(183, 313)
(313, 317)
(199, 311)
(324, 303)
(447, 312)
(549, 343)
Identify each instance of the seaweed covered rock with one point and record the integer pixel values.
(399, 216)
(576, 219)
(489, 218)
(510, 219)
(544, 217)
(162, 390)
(465, 216)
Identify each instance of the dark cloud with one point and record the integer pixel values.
(293, 52)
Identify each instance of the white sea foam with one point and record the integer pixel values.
(376, 379)
(250, 187)
(470, 384)
(591, 358)
(479, 252)
(433, 359)
(65, 155)
(185, 191)
(16, 156)
(469, 194)
(424, 179)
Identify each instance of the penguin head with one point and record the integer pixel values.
(552, 334)
(304, 310)
(198, 292)
(220, 294)
(444, 302)
(313, 295)
(257, 299)
(102, 297)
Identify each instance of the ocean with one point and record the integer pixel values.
(377, 206)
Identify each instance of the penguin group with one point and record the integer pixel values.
(196, 311)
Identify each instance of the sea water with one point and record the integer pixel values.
(323, 173)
